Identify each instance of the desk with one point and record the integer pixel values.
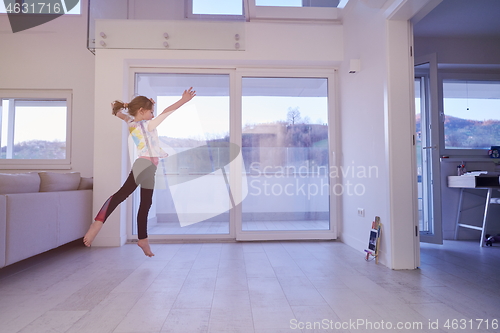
(483, 182)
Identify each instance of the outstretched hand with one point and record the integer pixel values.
(188, 95)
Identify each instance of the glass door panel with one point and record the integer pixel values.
(286, 154)
(191, 190)
(422, 140)
(427, 138)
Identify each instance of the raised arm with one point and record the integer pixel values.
(123, 116)
(187, 95)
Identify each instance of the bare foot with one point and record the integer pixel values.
(92, 232)
(144, 245)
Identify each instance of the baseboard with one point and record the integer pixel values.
(355, 243)
(109, 241)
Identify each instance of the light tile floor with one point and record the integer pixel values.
(261, 287)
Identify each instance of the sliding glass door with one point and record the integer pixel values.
(285, 136)
(250, 157)
(191, 193)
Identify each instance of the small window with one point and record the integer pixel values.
(34, 130)
(297, 3)
(471, 111)
(279, 3)
(208, 9)
(40, 7)
(264, 9)
(295, 9)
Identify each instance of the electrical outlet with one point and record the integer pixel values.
(361, 212)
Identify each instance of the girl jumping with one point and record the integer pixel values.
(142, 128)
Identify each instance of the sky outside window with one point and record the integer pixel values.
(194, 123)
(472, 100)
(40, 123)
(279, 3)
(235, 7)
(210, 7)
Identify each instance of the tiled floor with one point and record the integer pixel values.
(262, 287)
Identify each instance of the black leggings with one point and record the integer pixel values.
(143, 173)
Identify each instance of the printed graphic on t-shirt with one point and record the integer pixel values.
(147, 142)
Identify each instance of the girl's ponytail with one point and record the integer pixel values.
(117, 106)
(134, 106)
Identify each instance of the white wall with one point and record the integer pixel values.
(266, 45)
(466, 50)
(377, 128)
(362, 125)
(54, 56)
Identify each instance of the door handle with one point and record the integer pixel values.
(430, 147)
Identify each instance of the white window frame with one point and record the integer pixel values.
(11, 164)
(476, 153)
(253, 12)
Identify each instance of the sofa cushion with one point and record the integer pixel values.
(11, 183)
(86, 183)
(54, 181)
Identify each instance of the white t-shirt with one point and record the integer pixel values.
(147, 142)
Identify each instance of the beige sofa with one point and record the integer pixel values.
(40, 211)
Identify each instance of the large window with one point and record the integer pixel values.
(34, 130)
(472, 114)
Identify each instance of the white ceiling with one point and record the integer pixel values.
(461, 18)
